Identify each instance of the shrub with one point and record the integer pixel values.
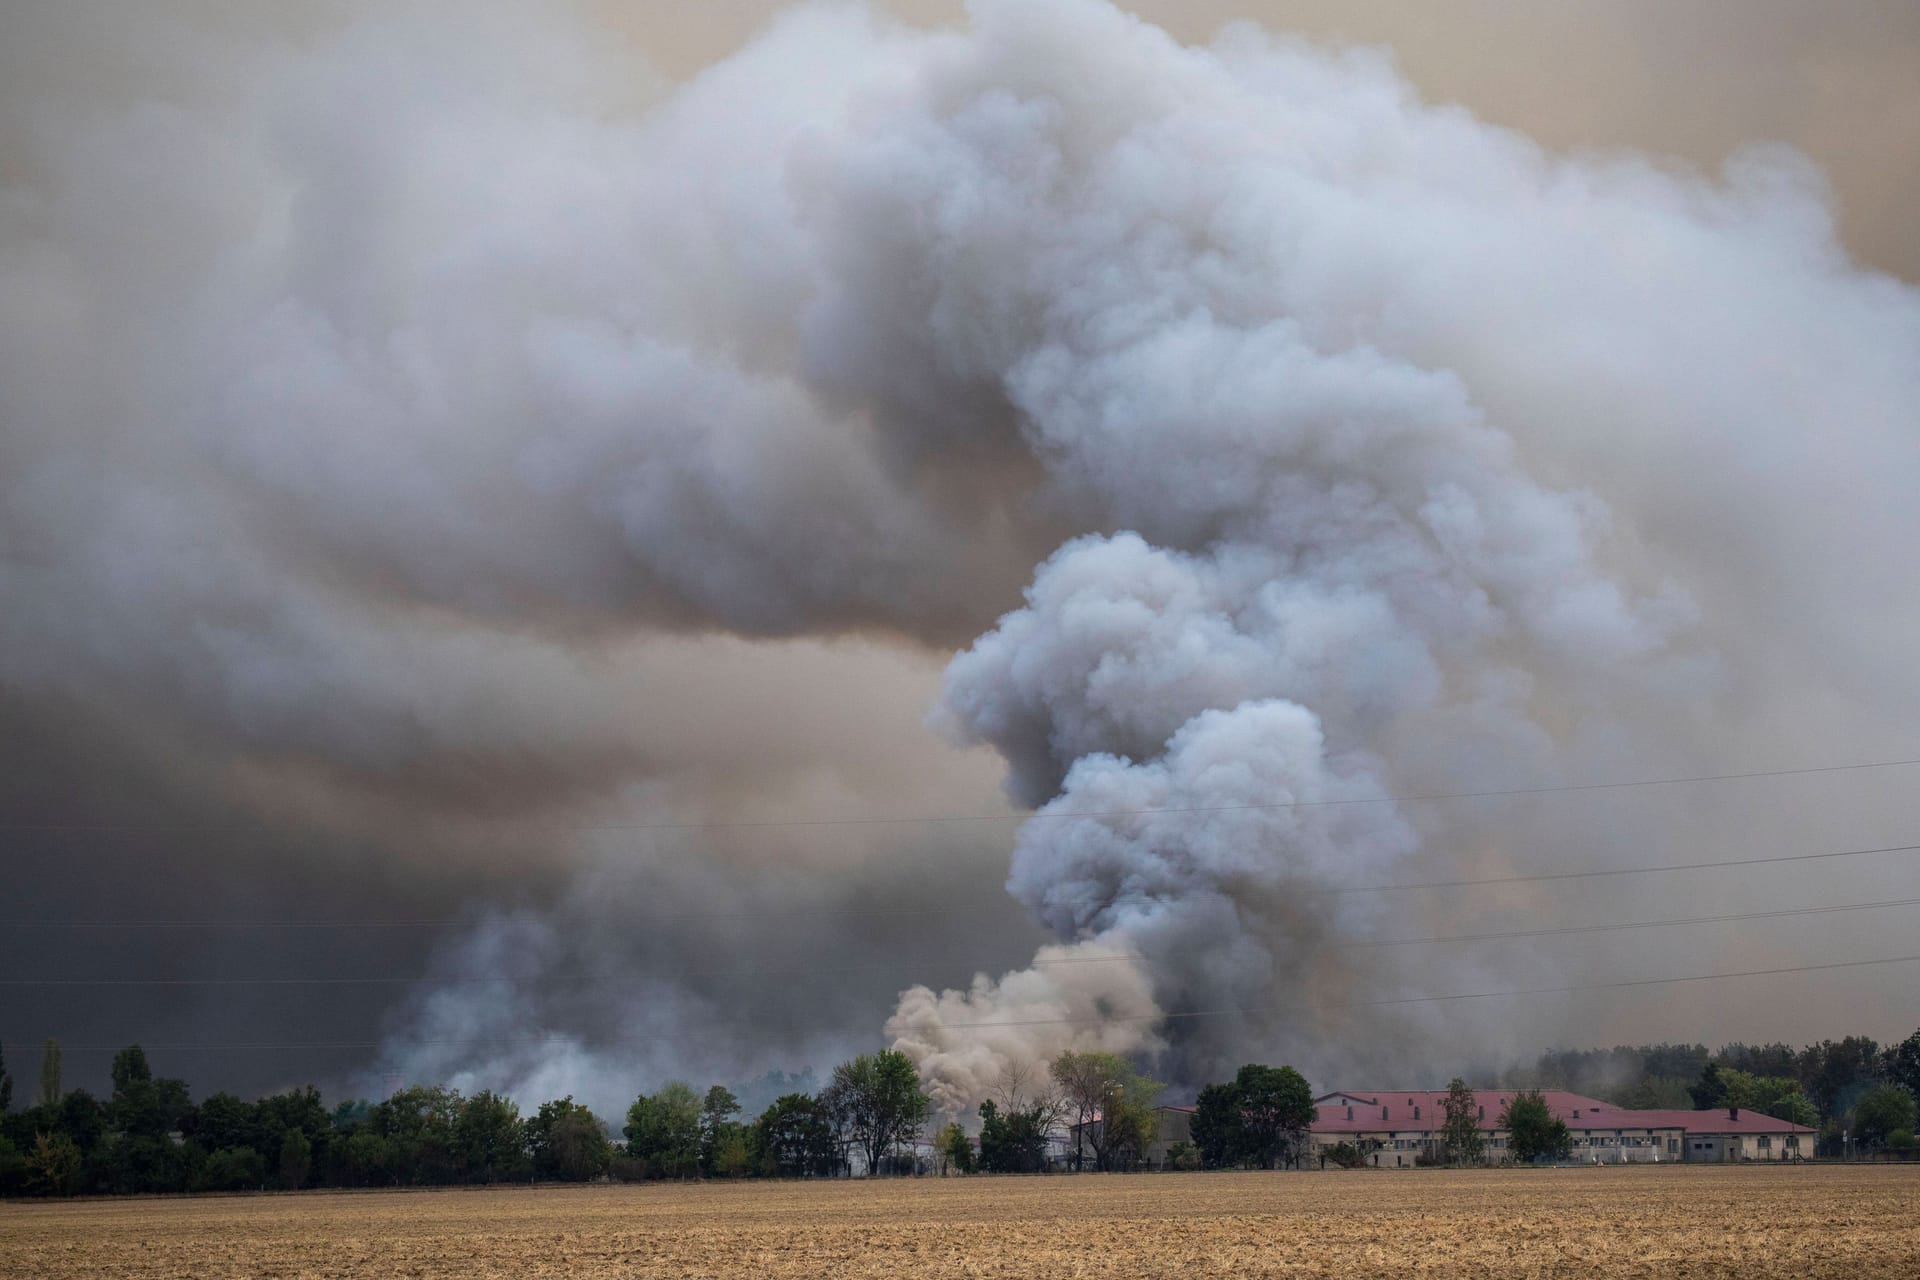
(233, 1169)
(1346, 1155)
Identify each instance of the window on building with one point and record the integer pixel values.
(1793, 1142)
(1673, 1144)
(1416, 1113)
(1383, 1113)
(1766, 1142)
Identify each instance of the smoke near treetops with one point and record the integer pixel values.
(449, 474)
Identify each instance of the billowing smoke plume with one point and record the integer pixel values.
(480, 458)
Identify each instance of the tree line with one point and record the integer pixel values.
(1853, 1086)
(1092, 1111)
(149, 1135)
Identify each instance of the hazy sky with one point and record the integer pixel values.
(1690, 81)
(494, 486)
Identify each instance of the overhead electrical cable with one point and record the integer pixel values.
(456, 979)
(32, 922)
(724, 824)
(1175, 1015)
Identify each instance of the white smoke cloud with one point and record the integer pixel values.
(1217, 320)
(394, 407)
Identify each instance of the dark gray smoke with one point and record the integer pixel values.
(465, 475)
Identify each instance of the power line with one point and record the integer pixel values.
(838, 912)
(1620, 925)
(236, 1046)
(1049, 815)
(1623, 871)
(1038, 963)
(1465, 995)
(454, 980)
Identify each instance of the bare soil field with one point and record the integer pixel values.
(1820, 1221)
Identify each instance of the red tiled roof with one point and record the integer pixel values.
(1400, 1105)
(1578, 1111)
(1716, 1120)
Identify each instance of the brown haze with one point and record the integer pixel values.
(333, 585)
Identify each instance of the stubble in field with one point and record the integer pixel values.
(1698, 1222)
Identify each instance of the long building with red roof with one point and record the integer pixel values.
(1393, 1127)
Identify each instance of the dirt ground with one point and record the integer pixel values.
(1819, 1221)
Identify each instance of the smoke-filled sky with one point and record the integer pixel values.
(603, 522)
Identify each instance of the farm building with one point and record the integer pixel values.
(1392, 1128)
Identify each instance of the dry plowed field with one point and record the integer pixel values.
(1826, 1221)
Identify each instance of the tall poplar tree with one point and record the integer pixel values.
(50, 1074)
(1460, 1138)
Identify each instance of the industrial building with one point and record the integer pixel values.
(1392, 1128)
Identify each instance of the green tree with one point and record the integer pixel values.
(50, 1074)
(417, 1123)
(880, 1103)
(1533, 1131)
(1901, 1064)
(663, 1131)
(1014, 1141)
(794, 1138)
(1345, 1155)
(1836, 1072)
(952, 1143)
(720, 1136)
(233, 1169)
(1461, 1142)
(1215, 1126)
(223, 1121)
(82, 1118)
(1882, 1111)
(282, 1113)
(1710, 1091)
(351, 1114)
(732, 1153)
(1275, 1111)
(55, 1164)
(13, 1167)
(567, 1141)
(1112, 1106)
(489, 1139)
(365, 1160)
(1126, 1130)
(1656, 1093)
(1776, 1096)
(296, 1159)
(144, 1112)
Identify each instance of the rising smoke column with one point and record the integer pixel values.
(1329, 553)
